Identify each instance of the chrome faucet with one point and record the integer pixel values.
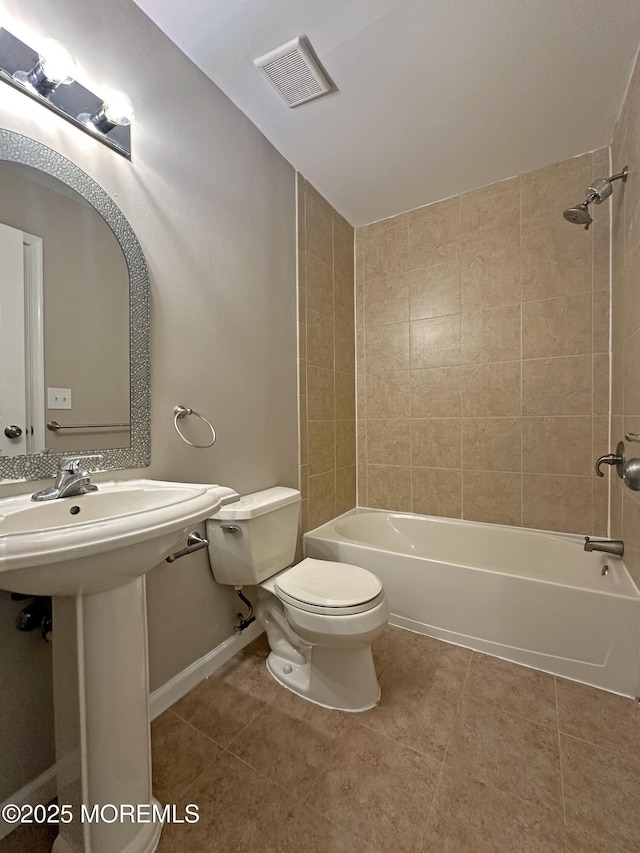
(72, 479)
(609, 546)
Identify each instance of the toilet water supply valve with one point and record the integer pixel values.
(244, 621)
(195, 542)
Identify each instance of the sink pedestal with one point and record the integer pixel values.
(101, 699)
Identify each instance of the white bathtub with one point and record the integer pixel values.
(534, 598)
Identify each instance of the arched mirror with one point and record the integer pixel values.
(74, 319)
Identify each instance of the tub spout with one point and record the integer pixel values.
(609, 546)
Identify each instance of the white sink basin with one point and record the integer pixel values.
(101, 540)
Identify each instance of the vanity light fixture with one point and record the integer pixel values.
(48, 76)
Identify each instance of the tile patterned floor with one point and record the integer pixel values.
(464, 754)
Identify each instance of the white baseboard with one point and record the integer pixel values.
(43, 789)
(37, 792)
(184, 681)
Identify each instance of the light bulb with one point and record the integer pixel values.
(118, 109)
(55, 67)
(57, 63)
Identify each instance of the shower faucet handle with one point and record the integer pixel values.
(628, 469)
(618, 459)
(609, 459)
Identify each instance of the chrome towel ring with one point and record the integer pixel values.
(182, 411)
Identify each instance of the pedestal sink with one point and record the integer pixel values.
(91, 552)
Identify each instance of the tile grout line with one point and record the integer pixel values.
(191, 726)
(335, 359)
(460, 259)
(215, 743)
(512, 713)
(365, 367)
(262, 775)
(305, 254)
(583, 415)
(564, 809)
(494, 308)
(529, 720)
(592, 342)
(183, 795)
(411, 504)
(487, 471)
(245, 727)
(208, 765)
(358, 390)
(610, 497)
(521, 370)
(361, 367)
(563, 356)
(444, 757)
(598, 746)
(464, 685)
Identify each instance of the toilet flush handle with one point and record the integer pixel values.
(230, 528)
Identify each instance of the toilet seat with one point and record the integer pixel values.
(323, 586)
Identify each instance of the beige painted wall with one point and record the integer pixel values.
(625, 327)
(483, 334)
(86, 308)
(213, 205)
(327, 359)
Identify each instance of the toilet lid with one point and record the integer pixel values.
(322, 583)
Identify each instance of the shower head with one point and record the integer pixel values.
(579, 215)
(596, 193)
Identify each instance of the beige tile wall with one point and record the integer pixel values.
(625, 397)
(327, 359)
(482, 355)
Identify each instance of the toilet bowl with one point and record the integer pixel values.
(323, 651)
(320, 617)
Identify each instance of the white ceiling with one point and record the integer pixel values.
(435, 97)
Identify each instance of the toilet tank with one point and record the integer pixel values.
(255, 537)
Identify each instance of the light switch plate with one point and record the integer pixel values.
(59, 398)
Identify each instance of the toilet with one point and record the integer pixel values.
(320, 617)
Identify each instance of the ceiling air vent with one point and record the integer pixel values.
(294, 72)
